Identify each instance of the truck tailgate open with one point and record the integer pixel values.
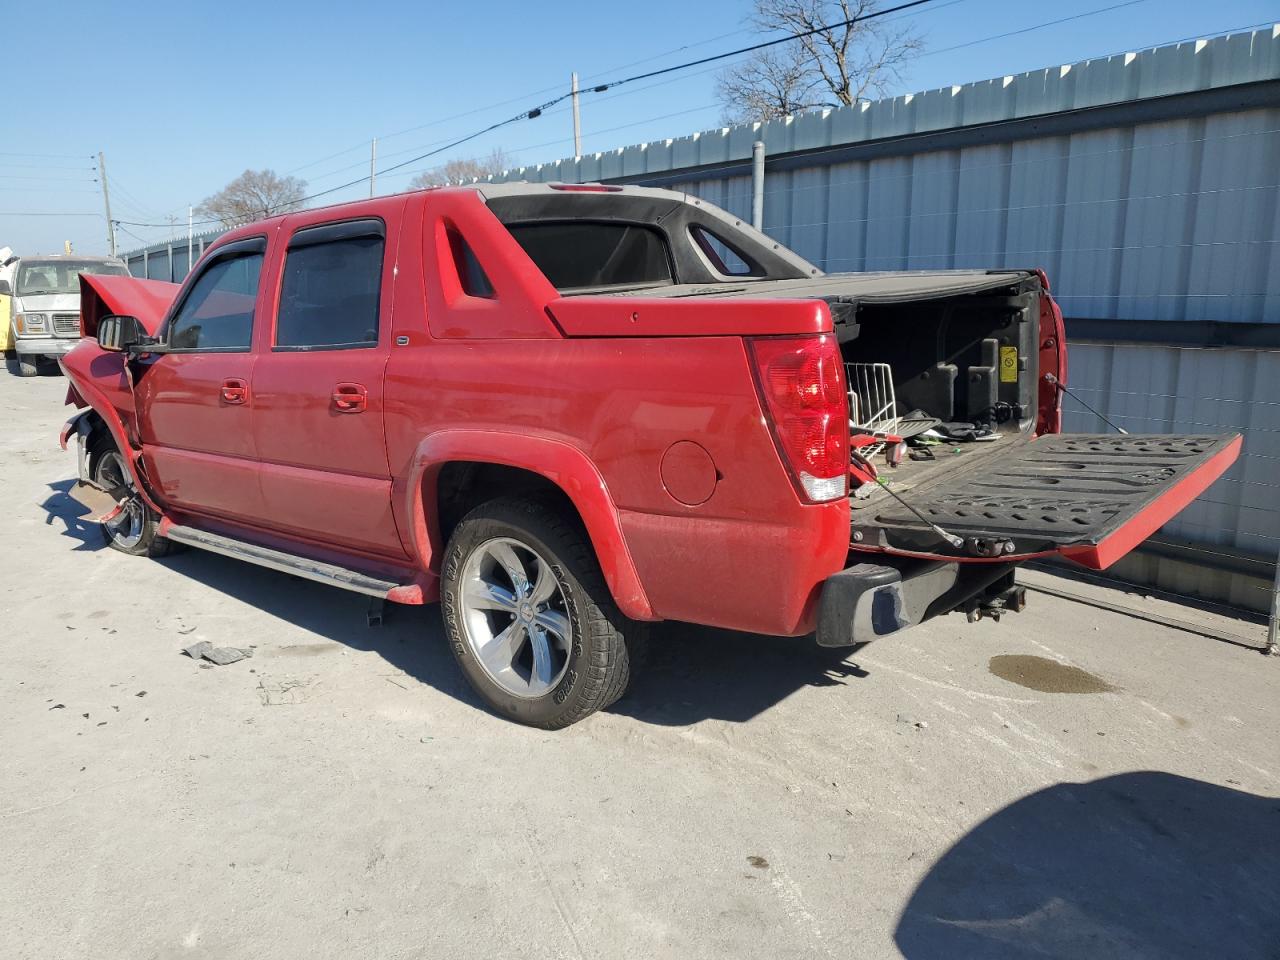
(1091, 498)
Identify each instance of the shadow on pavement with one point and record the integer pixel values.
(689, 674)
(1140, 865)
(73, 517)
(693, 673)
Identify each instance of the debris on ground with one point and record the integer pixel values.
(276, 693)
(204, 650)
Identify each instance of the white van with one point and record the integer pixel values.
(44, 320)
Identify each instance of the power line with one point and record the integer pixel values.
(600, 88)
(130, 199)
(503, 103)
(48, 156)
(970, 43)
(14, 176)
(1038, 26)
(130, 233)
(568, 139)
(42, 213)
(43, 166)
(61, 190)
(535, 112)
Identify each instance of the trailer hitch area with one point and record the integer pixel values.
(994, 605)
(987, 547)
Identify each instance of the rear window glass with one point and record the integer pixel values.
(474, 281)
(584, 254)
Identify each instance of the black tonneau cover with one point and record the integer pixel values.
(859, 287)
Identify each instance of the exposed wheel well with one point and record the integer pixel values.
(462, 485)
(99, 437)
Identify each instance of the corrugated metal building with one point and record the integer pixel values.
(1145, 184)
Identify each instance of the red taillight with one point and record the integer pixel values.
(802, 383)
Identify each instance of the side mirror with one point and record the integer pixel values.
(117, 333)
(5, 289)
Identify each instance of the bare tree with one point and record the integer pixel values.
(254, 195)
(464, 170)
(830, 68)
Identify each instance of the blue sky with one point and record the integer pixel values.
(183, 97)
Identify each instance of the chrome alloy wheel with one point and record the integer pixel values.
(127, 527)
(515, 618)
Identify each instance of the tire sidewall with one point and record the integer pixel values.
(566, 696)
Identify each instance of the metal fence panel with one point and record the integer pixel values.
(158, 266)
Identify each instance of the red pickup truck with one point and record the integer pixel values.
(566, 411)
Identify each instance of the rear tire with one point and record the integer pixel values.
(135, 530)
(529, 617)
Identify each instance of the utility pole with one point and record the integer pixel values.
(1273, 625)
(757, 184)
(373, 167)
(190, 245)
(106, 202)
(577, 119)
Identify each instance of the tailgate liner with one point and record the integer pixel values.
(1090, 497)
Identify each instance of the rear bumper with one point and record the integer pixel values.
(870, 600)
(44, 346)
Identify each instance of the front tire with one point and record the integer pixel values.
(135, 530)
(529, 618)
(28, 366)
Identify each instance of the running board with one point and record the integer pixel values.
(333, 575)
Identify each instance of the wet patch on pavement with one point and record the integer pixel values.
(1045, 675)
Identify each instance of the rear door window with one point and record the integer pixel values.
(577, 254)
(331, 288)
(218, 312)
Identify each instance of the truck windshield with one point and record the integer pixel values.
(581, 254)
(60, 276)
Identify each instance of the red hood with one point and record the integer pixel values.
(102, 295)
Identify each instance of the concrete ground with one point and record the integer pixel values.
(341, 794)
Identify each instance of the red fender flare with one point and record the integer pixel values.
(98, 401)
(565, 465)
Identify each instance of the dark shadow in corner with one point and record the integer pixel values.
(689, 673)
(1140, 865)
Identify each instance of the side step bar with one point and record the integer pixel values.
(329, 573)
